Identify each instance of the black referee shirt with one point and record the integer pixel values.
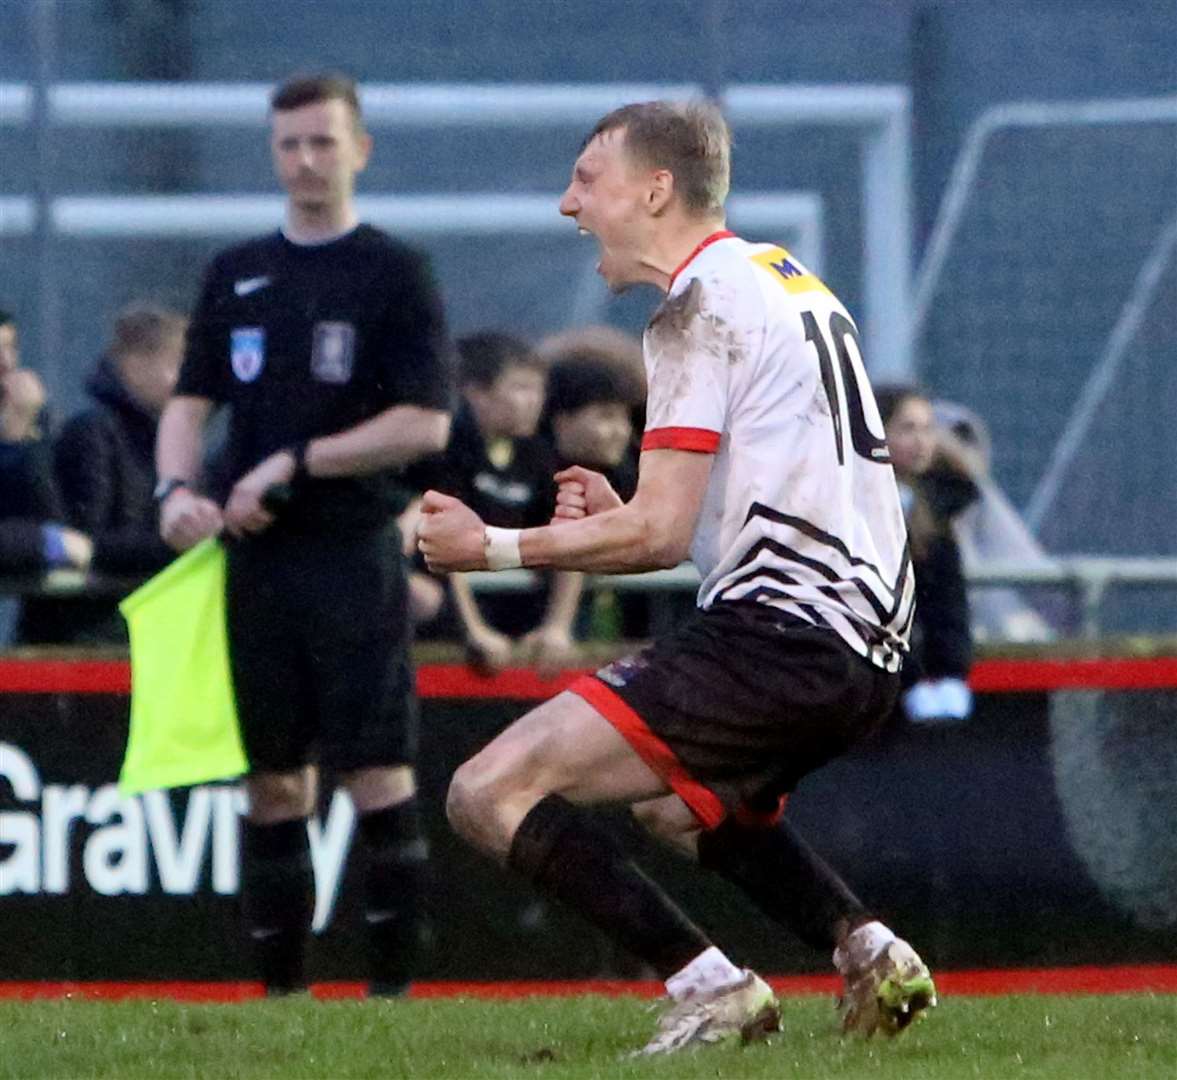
(303, 341)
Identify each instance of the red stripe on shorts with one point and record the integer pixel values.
(701, 440)
(761, 818)
(703, 802)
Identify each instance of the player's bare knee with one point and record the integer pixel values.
(465, 800)
(478, 803)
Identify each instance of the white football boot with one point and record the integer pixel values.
(886, 988)
(746, 1012)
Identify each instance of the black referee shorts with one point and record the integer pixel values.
(319, 650)
(738, 703)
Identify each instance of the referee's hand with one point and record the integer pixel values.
(245, 512)
(186, 518)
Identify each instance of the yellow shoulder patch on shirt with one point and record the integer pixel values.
(788, 273)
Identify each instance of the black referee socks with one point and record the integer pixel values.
(569, 858)
(785, 877)
(395, 886)
(277, 901)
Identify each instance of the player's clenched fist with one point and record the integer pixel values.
(450, 535)
(582, 493)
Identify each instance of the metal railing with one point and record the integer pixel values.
(1086, 578)
(879, 114)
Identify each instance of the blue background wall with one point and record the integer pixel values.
(1048, 252)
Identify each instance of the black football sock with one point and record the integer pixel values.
(569, 858)
(394, 894)
(277, 901)
(785, 877)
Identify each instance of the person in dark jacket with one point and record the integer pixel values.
(33, 535)
(105, 455)
(105, 472)
(935, 485)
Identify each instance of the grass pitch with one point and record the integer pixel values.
(1068, 1038)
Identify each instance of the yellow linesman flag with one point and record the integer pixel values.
(183, 713)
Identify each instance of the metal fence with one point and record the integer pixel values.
(876, 116)
(1086, 583)
(1047, 301)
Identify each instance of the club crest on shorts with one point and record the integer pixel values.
(247, 351)
(620, 671)
(333, 349)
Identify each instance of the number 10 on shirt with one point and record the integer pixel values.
(839, 331)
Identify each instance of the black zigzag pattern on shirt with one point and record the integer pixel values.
(787, 596)
(821, 536)
(883, 612)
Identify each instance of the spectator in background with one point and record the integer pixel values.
(33, 536)
(935, 473)
(595, 384)
(496, 463)
(9, 344)
(596, 390)
(992, 529)
(106, 471)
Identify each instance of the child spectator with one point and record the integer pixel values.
(595, 386)
(497, 464)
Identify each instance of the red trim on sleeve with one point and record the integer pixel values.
(701, 440)
(722, 234)
(703, 802)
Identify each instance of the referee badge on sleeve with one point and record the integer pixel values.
(247, 351)
(333, 349)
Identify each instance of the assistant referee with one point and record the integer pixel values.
(327, 341)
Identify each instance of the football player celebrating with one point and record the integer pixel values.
(763, 461)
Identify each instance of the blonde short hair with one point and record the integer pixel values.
(690, 139)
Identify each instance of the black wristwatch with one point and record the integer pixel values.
(298, 451)
(166, 486)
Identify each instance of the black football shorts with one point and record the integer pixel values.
(319, 650)
(738, 703)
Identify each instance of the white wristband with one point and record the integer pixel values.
(502, 549)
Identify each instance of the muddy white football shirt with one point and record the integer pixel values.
(753, 359)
